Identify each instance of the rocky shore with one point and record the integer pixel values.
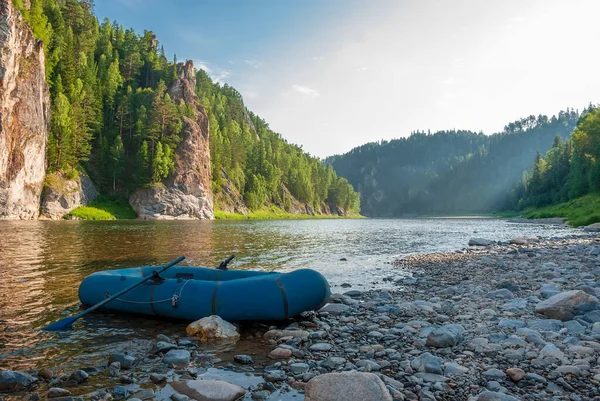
(494, 321)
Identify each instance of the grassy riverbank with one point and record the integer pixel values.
(577, 212)
(275, 213)
(104, 209)
(119, 209)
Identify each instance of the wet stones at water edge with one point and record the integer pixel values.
(437, 337)
(213, 390)
(177, 357)
(15, 381)
(56, 392)
(125, 361)
(243, 359)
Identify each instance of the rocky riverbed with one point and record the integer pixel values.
(498, 321)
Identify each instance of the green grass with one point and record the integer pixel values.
(275, 213)
(104, 209)
(577, 212)
(506, 214)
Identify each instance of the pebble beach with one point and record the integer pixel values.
(506, 321)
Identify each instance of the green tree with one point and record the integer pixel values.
(142, 165)
(117, 160)
(163, 162)
(60, 146)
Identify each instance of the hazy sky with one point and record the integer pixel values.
(334, 74)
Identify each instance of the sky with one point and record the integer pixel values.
(331, 75)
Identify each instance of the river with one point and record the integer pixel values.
(43, 262)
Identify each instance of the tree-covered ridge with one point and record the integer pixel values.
(260, 163)
(112, 114)
(569, 170)
(448, 172)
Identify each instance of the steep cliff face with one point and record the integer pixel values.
(187, 193)
(24, 116)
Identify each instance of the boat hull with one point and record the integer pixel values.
(191, 293)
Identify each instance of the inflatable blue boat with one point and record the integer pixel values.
(192, 293)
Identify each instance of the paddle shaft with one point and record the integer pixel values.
(223, 265)
(131, 287)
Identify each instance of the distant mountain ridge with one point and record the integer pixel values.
(448, 172)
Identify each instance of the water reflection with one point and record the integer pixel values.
(43, 262)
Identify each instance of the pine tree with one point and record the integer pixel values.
(117, 160)
(61, 152)
(142, 165)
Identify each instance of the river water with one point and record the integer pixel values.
(43, 262)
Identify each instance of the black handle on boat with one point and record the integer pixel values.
(223, 265)
(65, 324)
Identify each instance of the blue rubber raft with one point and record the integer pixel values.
(191, 293)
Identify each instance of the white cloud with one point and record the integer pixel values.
(253, 63)
(201, 65)
(249, 94)
(306, 91)
(216, 73)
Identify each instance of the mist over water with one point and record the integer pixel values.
(42, 264)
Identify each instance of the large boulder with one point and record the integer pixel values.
(427, 363)
(493, 396)
(62, 194)
(592, 228)
(177, 357)
(164, 202)
(187, 193)
(24, 116)
(209, 390)
(346, 386)
(566, 305)
(15, 381)
(213, 328)
(445, 336)
(480, 242)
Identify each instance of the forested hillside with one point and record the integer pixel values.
(112, 116)
(260, 163)
(448, 172)
(569, 170)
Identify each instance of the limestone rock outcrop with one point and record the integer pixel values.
(24, 116)
(187, 193)
(62, 195)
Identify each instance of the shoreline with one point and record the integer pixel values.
(491, 292)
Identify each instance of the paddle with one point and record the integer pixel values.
(65, 324)
(223, 265)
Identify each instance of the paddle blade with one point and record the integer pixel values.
(62, 325)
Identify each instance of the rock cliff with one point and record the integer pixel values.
(62, 195)
(24, 116)
(187, 193)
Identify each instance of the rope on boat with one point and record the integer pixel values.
(174, 299)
